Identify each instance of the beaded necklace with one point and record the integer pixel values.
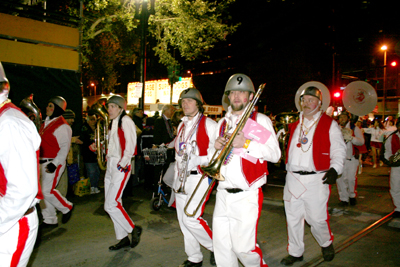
(303, 134)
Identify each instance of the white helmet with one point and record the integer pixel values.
(237, 82)
(3, 77)
(59, 101)
(190, 93)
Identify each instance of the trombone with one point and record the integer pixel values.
(213, 169)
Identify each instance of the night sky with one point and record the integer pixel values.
(287, 43)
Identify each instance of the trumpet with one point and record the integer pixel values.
(184, 174)
(213, 169)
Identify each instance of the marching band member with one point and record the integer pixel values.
(239, 198)
(192, 145)
(56, 140)
(19, 181)
(121, 149)
(353, 136)
(315, 156)
(392, 145)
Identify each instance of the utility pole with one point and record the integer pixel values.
(144, 20)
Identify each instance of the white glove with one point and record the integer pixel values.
(194, 162)
(347, 134)
(124, 162)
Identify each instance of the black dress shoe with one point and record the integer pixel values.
(353, 201)
(328, 253)
(48, 225)
(289, 260)
(125, 242)
(137, 231)
(396, 214)
(67, 216)
(212, 259)
(188, 263)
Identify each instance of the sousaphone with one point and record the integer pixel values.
(326, 96)
(359, 98)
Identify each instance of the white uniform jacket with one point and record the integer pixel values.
(19, 145)
(115, 145)
(269, 151)
(357, 140)
(210, 128)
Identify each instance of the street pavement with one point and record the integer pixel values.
(364, 235)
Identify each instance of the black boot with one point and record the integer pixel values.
(125, 242)
(188, 263)
(137, 231)
(328, 253)
(289, 260)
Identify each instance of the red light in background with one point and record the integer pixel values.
(336, 94)
(393, 64)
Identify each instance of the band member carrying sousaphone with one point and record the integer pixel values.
(315, 157)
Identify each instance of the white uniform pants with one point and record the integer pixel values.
(311, 206)
(195, 229)
(395, 187)
(347, 183)
(235, 223)
(114, 184)
(17, 244)
(53, 200)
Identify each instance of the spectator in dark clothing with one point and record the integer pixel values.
(89, 153)
(147, 141)
(164, 134)
(137, 117)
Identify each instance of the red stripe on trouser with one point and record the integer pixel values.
(257, 248)
(119, 205)
(55, 193)
(22, 238)
(200, 219)
(327, 214)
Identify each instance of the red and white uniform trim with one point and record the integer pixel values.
(56, 140)
(347, 183)
(236, 215)
(392, 145)
(195, 229)
(306, 197)
(19, 185)
(121, 149)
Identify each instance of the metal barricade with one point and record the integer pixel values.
(155, 156)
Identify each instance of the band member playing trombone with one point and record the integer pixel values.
(392, 150)
(239, 197)
(192, 143)
(315, 156)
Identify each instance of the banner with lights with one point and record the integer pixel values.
(157, 91)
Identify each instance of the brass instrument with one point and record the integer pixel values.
(184, 174)
(213, 169)
(283, 120)
(101, 132)
(31, 110)
(396, 156)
